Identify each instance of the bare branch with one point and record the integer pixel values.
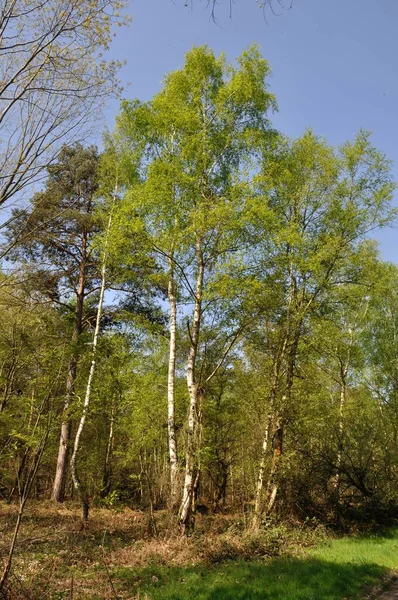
(53, 81)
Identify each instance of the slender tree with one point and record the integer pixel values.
(114, 179)
(324, 203)
(200, 133)
(56, 238)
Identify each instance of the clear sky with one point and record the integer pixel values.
(334, 63)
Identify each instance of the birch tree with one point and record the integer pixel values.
(79, 487)
(114, 173)
(199, 135)
(338, 338)
(324, 202)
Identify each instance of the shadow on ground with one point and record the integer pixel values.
(281, 579)
(55, 559)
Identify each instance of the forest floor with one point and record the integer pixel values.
(390, 593)
(116, 558)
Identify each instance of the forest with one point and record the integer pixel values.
(200, 337)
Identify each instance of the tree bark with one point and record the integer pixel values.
(185, 513)
(107, 474)
(81, 489)
(343, 400)
(58, 492)
(258, 509)
(272, 487)
(258, 505)
(24, 491)
(173, 456)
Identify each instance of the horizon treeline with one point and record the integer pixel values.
(196, 317)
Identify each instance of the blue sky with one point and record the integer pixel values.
(334, 63)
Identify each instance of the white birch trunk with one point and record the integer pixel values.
(260, 478)
(185, 514)
(343, 400)
(344, 368)
(292, 338)
(258, 504)
(109, 448)
(82, 493)
(171, 388)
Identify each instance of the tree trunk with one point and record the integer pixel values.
(258, 508)
(222, 487)
(272, 486)
(7, 566)
(185, 513)
(343, 400)
(81, 489)
(58, 492)
(10, 375)
(24, 491)
(106, 477)
(258, 505)
(171, 389)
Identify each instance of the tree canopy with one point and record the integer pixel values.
(196, 318)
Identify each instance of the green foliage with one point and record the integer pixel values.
(32, 350)
(298, 313)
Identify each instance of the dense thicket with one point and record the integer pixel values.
(246, 354)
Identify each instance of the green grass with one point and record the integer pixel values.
(339, 570)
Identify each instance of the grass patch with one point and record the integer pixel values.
(114, 558)
(336, 570)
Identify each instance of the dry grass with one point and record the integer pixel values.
(55, 558)
(54, 554)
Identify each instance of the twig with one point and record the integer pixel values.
(115, 594)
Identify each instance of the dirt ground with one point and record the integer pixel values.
(55, 555)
